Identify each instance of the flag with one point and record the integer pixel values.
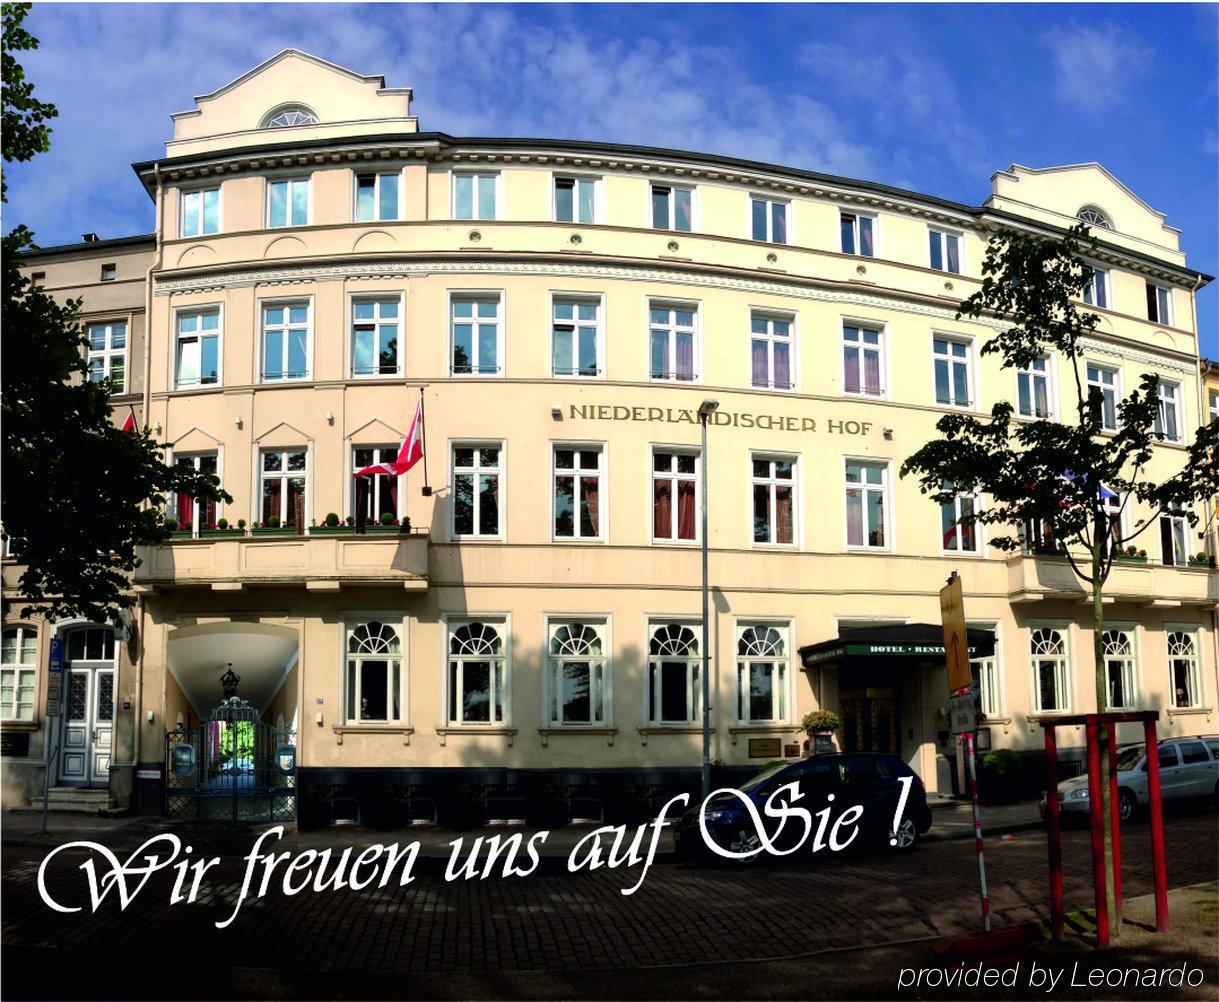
(129, 424)
(410, 453)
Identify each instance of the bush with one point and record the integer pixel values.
(272, 522)
(821, 721)
(241, 523)
(222, 523)
(350, 520)
(1002, 776)
(171, 525)
(388, 519)
(332, 519)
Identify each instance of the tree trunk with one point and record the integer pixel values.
(1104, 732)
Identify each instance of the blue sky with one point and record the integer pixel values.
(934, 98)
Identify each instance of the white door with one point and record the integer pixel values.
(88, 725)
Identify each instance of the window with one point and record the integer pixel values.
(1048, 648)
(1119, 669)
(1096, 291)
(673, 334)
(377, 196)
(866, 487)
(1213, 405)
(38, 277)
(770, 340)
(374, 673)
(476, 490)
(1033, 389)
(1183, 669)
(672, 208)
(576, 337)
(109, 272)
(1193, 752)
(575, 199)
(674, 690)
(1159, 304)
(945, 250)
(200, 212)
(288, 202)
(374, 337)
(674, 495)
(284, 476)
(478, 672)
(193, 515)
(577, 492)
(477, 336)
(1093, 217)
(578, 681)
(1174, 538)
(951, 362)
(92, 644)
(959, 533)
(378, 495)
(761, 674)
(475, 196)
(769, 217)
(774, 489)
(1104, 381)
(861, 360)
(1112, 503)
(198, 348)
(285, 341)
(286, 117)
(990, 683)
(857, 234)
(108, 354)
(18, 668)
(1167, 425)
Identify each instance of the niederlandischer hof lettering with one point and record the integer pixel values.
(733, 419)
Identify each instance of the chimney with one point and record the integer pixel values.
(89, 238)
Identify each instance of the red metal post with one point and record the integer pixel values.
(1159, 870)
(1053, 830)
(1095, 822)
(1115, 823)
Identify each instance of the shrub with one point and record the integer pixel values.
(820, 721)
(332, 519)
(222, 523)
(185, 526)
(241, 523)
(171, 525)
(272, 522)
(1002, 776)
(350, 520)
(388, 519)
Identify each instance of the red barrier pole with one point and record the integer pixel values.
(973, 796)
(1095, 821)
(1159, 869)
(1053, 831)
(1115, 824)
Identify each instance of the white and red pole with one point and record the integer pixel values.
(968, 739)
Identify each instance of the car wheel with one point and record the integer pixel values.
(1127, 805)
(741, 841)
(906, 836)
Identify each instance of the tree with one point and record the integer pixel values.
(1061, 481)
(80, 494)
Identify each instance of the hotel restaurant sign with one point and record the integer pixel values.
(723, 418)
(849, 648)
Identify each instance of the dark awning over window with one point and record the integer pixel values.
(911, 641)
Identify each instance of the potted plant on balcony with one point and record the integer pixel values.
(821, 725)
(331, 525)
(1203, 561)
(388, 524)
(273, 527)
(1132, 555)
(221, 530)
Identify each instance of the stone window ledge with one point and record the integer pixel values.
(341, 729)
(609, 733)
(476, 731)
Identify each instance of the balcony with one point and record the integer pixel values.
(1042, 577)
(326, 563)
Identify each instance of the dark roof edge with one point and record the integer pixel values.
(88, 245)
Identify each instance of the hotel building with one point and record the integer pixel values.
(565, 308)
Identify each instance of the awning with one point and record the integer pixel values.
(910, 641)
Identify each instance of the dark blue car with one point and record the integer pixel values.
(865, 779)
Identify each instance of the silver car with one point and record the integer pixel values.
(1189, 768)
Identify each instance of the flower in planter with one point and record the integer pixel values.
(185, 526)
(821, 722)
(388, 519)
(171, 525)
(1143, 553)
(1132, 551)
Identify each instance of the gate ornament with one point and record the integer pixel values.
(229, 682)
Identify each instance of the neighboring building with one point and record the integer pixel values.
(566, 308)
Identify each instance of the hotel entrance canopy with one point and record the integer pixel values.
(910, 643)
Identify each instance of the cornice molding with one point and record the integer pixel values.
(1098, 347)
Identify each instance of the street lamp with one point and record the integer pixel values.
(705, 410)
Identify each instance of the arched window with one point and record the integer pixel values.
(288, 115)
(1183, 669)
(1048, 648)
(1119, 667)
(674, 689)
(674, 639)
(578, 674)
(374, 673)
(1091, 215)
(478, 673)
(761, 674)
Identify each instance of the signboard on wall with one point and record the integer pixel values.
(962, 712)
(765, 747)
(55, 678)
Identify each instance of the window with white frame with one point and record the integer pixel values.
(378, 196)
(762, 670)
(1174, 537)
(200, 212)
(945, 250)
(1093, 217)
(1096, 291)
(1184, 672)
(575, 199)
(1104, 381)
(770, 350)
(990, 684)
(288, 202)
(1213, 405)
(673, 336)
(375, 343)
(1159, 304)
(867, 486)
(576, 337)
(952, 362)
(374, 672)
(1167, 424)
(198, 353)
(1122, 693)
(858, 233)
(769, 217)
(476, 490)
(958, 530)
(477, 335)
(674, 691)
(378, 495)
(672, 208)
(285, 341)
(18, 671)
(1113, 506)
(674, 495)
(284, 478)
(774, 500)
(578, 680)
(862, 360)
(108, 354)
(191, 513)
(478, 671)
(289, 116)
(577, 491)
(1034, 397)
(476, 195)
(1051, 669)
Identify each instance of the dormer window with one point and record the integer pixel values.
(289, 116)
(1093, 217)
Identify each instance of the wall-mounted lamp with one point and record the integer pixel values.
(156, 428)
(556, 413)
(320, 718)
(152, 715)
(888, 433)
(330, 417)
(237, 420)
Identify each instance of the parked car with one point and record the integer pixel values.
(1189, 769)
(865, 779)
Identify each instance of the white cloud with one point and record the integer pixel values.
(1094, 67)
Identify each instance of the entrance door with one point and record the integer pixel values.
(869, 720)
(88, 726)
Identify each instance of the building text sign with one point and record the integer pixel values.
(722, 418)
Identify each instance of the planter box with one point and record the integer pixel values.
(273, 532)
(222, 533)
(385, 530)
(331, 530)
(1130, 560)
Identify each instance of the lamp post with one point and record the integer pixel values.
(705, 410)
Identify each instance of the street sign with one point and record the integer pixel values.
(962, 712)
(956, 642)
(55, 678)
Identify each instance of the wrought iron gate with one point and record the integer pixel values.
(232, 767)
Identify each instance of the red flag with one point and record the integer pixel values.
(410, 453)
(129, 424)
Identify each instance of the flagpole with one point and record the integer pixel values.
(427, 490)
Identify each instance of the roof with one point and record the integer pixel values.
(909, 640)
(90, 245)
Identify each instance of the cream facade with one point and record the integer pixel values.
(564, 309)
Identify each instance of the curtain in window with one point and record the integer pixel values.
(1042, 398)
(871, 372)
(589, 505)
(685, 356)
(662, 508)
(855, 518)
(778, 215)
(761, 366)
(865, 236)
(186, 510)
(954, 254)
(685, 509)
(782, 367)
(851, 361)
(783, 515)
